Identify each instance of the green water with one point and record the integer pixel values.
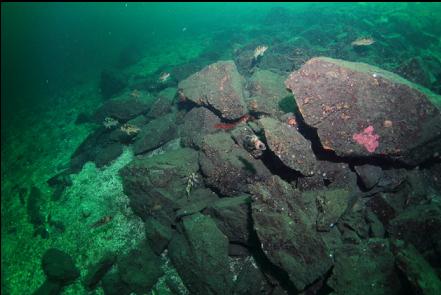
(52, 59)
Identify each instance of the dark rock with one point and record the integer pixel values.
(287, 233)
(218, 86)
(122, 109)
(107, 154)
(113, 285)
(376, 228)
(198, 122)
(367, 268)
(49, 288)
(155, 134)
(251, 280)
(232, 218)
(330, 205)
(380, 205)
(289, 146)
(111, 83)
(59, 266)
(163, 104)
(140, 269)
(369, 175)
(266, 93)
(200, 255)
(353, 224)
(227, 167)
(97, 271)
(197, 200)
(61, 179)
(358, 110)
(156, 186)
(34, 210)
(244, 59)
(97, 147)
(421, 276)
(329, 175)
(420, 225)
(158, 235)
(238, 250)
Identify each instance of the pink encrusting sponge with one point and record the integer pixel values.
(367, 138)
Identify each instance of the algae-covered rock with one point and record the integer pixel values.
(289, 146)
(226, 166)
(367, 268)
(59, 266)
(198, 122)
(421, 276)
(266, 93)
(140, 269)
(200, 255)
(155, 134)
(362, 110)
(218, 86)
(420, 225)
(156, 186)
(232, 217)
(287, 232)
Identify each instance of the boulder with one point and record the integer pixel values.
(266, 93)
(156, 186)
(140, 269)
(287, 232)
(158, 235)
(420, 225)
(218, 86)
(362, 110)
(421, 276)
(59, 266)
(122, 109)
(198, 122)
(289, 146)
(97, 270)
(155, 134)
(200, 255)
(367, 268)
(227, 167)
(232, 218)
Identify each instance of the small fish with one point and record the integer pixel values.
(102, 221)
(364, 41)
(164, 77)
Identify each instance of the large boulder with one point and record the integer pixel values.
(266, 93)
(367, 268)
(362, 110)
(155, 134)
(156, 186)
(198, 122)
(59, 266)
(287, 232)
(200, 255)
(218, 86)
(140, 268)
(227, 167)
(415, 220)
(122, 109)
(289, 146)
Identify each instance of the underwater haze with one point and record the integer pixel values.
(220, 148)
